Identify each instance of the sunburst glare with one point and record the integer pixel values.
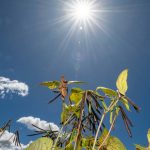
(81, 11)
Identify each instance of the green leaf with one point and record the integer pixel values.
(139, 147)
(69, 110)
(69, 147)
(115, 144)
(73, 109)
(76, 82)
(148, 136)
(111, 143)
(87, 142)
(76, 95)
(43, 143)
(64, 114)
(107, 91)
(103, 135)
(121, 82)
(125, 102)
(51, 84)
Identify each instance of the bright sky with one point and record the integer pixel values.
(39, 41)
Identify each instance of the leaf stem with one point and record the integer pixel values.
(80, 122)
(100, 124)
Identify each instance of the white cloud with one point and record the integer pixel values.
(12, 86)
(28, 121)
(7, 144)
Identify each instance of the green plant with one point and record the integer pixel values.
(84, 112)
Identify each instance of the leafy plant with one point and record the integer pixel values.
(84, 112)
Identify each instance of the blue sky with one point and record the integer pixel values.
(34, 47)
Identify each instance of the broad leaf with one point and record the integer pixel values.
(69, 110)
(102, 137)
(139, 147)
(73, 109)
(121, 82)
(41, 144)
(111, 143)
(115, 144)
(51, 84)
(107, 91)
(76, 95)
(87, 142)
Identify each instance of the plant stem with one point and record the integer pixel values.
(77, 142)
(112, 104)
(61, 131)
(108, 132)
(102, 118)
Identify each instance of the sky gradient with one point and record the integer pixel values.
(34, 47)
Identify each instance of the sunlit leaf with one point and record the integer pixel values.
(69, 147)
(139, 147)
(111, 143)
(107, 91)
(125, 102)
(51, 84)
(64, 114)
(41, 144)
(76, 82)
(95, 93)
(76, 95)
(121, 82)
(87, 142)
(115, 144)
(73, 109)
(69, 110)
(102, 137)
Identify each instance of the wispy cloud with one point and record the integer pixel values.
(7, 144)
(28, 121)
(12, 86)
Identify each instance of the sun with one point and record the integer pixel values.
(82, 10)
(82, 17)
